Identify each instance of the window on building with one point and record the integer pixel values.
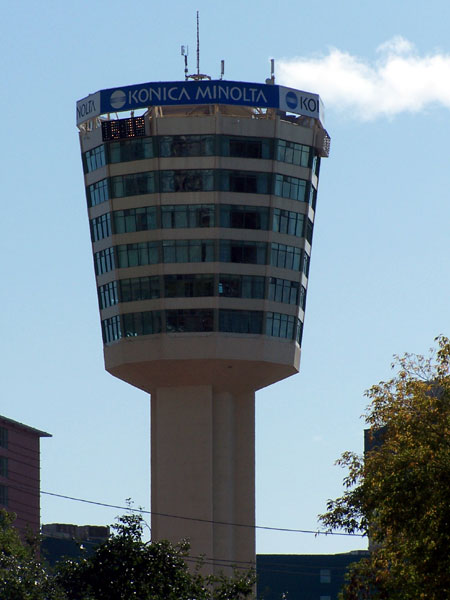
(187, 215)
(325, 576)
(238, 251)
(189, 320)
(187, 145)
(111, 329)
(108, 295)
(97, 193)
(133, 185)
(104, 261)
(188, 286)
(293, 153)
(324, 597)
(3, 437)
(290, 187)
(246, 147)
(136, 255)
(94, 159)
(139, 288)
(135, 149)
(284, 290)
(194, 180)
(143, 323)
(176, 251)
(244, 217)
(241, 286)
(240, 321)
(3, 495)
(245, 182)
(101, 227)
(285, 257)
(289, 222)
(135, 219)
(3, 466)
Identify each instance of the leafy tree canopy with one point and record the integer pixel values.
(122, 568)
(398, 494)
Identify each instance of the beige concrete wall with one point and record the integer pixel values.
(203, 468)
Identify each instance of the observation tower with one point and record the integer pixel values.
(201, 200)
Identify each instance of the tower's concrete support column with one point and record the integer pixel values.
(203, 467)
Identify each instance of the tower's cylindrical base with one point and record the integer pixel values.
(203, 470)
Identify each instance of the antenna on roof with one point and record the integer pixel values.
(222, 69)
(196, 76)
(198, 45)
(185, 52)
(271, 79)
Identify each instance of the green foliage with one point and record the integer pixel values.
(22, 577)
(399, 493)
(124, 567)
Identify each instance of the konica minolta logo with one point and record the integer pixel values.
(191, 93)
(298, 102)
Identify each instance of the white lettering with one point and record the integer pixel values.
(224, 92)
(170, 94)
(184, 93)
(203, 93)
(235, 93)
(155, 92)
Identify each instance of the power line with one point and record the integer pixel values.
(149, 512)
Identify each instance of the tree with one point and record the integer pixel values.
(398, 494)
(22, 577)
(125, 567)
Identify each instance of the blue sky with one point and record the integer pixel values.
(379, 282)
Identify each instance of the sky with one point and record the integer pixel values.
(379, 281)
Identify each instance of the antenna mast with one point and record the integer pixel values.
(198, 45)
(196, 76)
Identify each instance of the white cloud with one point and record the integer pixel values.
(399, 80)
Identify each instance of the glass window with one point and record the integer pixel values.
(309, 230)
(135, 149)
(189, 320)
(3, 466)
(289, 222)
(188, 251)
(3, 437)
(239, 251)
(133, 185)
(97, 193)
(325, 576)
(111, 329)
(179, 286)
(201, 180)
(187, 215)
(135, 219)
(94, 159)
(283, 290)
(281, 325)
(244, 217)
(107, 295)
(104, 261)
(187, 145)
(240, 321)
(136, 255)
(241, 286)
(285, 257)
(290, 187)
(246, 182)
(143, 323)
(293, 153)
(139, 288)
(246, 147)
(100, 227)
(3, 495)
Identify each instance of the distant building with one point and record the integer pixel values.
(303, 576)
(61, 540)
(20, 472)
